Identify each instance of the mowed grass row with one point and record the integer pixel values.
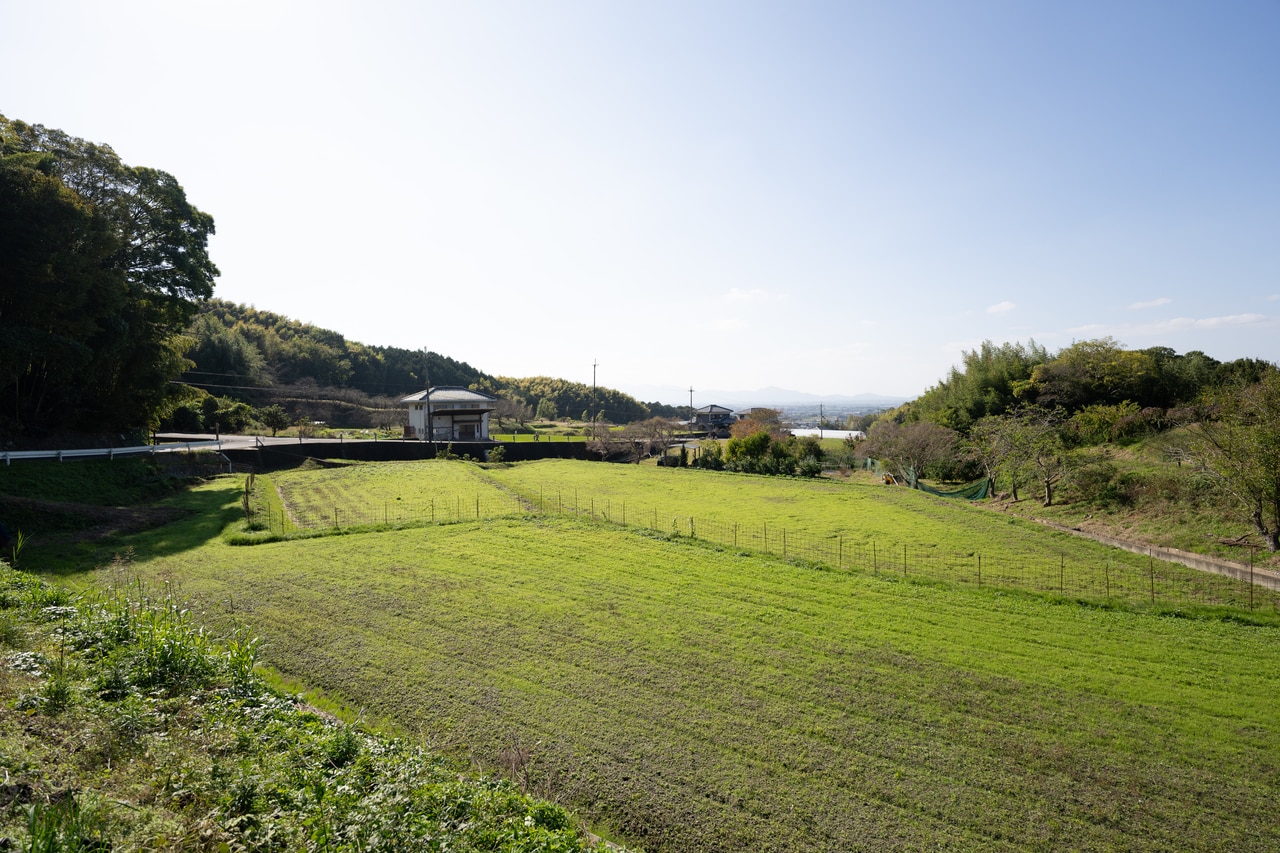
(432, 491)
(846, 525)
(698, 698)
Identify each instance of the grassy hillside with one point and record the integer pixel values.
(127, 726)
(1139, 492)
(693, 696)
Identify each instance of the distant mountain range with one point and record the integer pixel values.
(770, 397)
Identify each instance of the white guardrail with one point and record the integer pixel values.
(110, 452)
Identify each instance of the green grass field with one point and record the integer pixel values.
(692, 696)
(865, 524)
(859, 524)
(389, 493)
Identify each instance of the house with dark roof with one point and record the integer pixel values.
(713, 419)
(449, 413)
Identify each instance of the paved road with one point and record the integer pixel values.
(248, 442)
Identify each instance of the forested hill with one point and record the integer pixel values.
(993, 380)
(243, 353)
(239, 347)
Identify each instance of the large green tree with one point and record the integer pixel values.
(908, 449)
(982, 385)
(1238, 442)
(56, 286)
(102, 266)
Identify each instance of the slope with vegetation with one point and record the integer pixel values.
(129, 726)
(1060, 426)
(692, 696)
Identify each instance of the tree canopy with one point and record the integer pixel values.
(993, 380)
(102, 266)
(572, 399)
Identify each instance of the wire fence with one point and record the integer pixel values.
(451, 510)
(1114, 577)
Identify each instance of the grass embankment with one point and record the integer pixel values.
(128, 727)
(65, 501)
(696, 697)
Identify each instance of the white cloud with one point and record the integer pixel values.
(1151, 303)
(1232, 320)
(1275, 297)
(1123, 331)
(1001, 307)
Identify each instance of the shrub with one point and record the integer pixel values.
(809, 467)
(710, 456)
(1095, 483)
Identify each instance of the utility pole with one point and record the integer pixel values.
(426, 375)
(821, 417)
(594, 405)
(690, 408)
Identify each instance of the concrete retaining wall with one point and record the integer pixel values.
(1239, 571)
(274, 457)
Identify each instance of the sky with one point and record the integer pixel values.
(837, 198)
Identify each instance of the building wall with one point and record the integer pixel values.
(445, 423)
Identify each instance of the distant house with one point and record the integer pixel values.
(714, 419)
(449, 413)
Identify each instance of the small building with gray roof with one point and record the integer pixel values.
(449, 413)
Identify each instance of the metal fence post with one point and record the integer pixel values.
(1152, 567)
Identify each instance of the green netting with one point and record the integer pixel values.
(975, 491)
